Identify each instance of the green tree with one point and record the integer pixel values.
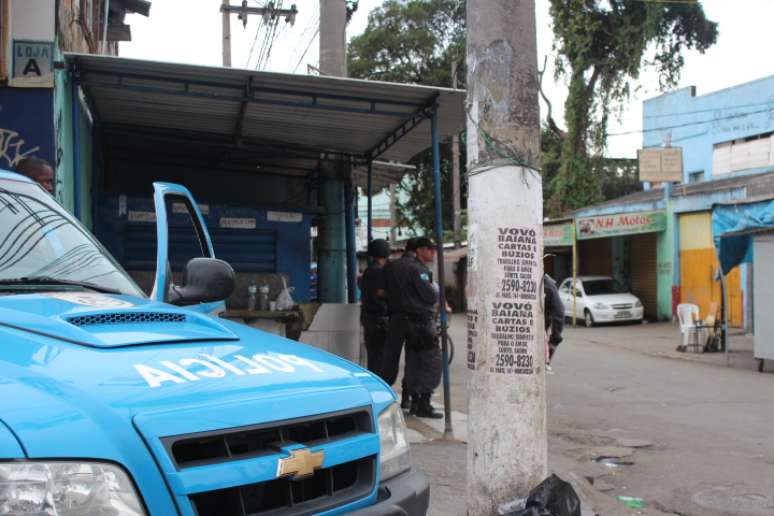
(601, 46)
(415, 41)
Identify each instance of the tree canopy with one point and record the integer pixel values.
(601, 45)
(415, 41)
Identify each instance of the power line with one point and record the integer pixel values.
(314, 36)
(688, 124)
(255, 40)
(713, 110)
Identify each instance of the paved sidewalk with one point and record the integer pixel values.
(662, 339)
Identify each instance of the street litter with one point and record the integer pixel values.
(612, 462)
(632, 502)
(553, 497)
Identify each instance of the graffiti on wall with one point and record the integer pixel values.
(26, 125)
(13, 148)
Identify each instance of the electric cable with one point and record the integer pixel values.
(689, 124)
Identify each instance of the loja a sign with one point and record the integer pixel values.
(557, 235)
(661, 165)
(620, 224)
(33, 63)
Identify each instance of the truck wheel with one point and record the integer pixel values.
(588, 319)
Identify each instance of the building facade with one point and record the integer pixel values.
(659, 241)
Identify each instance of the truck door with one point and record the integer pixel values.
(177, 243)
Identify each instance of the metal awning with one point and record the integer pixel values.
(292, 121)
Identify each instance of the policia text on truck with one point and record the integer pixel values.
(118, 403)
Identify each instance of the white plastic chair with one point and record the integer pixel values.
(693, 336)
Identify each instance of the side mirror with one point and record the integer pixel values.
(205, 280)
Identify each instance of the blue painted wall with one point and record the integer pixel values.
(26, 125)
(697, 123)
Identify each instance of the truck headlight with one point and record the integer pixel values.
(67, 488)
(638, 304)
(600, 306)
(395, 456)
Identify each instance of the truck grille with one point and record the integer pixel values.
(326, 489)
(245, 443)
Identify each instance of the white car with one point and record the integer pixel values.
(600, 299)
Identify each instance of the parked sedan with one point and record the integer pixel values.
(600, 299)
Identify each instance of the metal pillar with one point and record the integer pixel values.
(350, 201)
(370, 201)
(76, 121)
(447, 429)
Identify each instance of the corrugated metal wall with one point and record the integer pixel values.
(643, 268)
(595, 257)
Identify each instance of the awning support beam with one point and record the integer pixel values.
(448, 432)
(409, 123)
(370, 201)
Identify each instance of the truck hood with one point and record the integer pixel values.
(68, 388)
(104, 321)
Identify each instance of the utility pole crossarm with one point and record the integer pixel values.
(262, 11)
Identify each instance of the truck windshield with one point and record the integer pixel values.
(43, 247)
(601, 287)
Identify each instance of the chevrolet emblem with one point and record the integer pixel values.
(302, 463)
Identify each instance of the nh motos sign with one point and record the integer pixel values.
(620, 224)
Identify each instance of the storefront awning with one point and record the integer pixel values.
(733, 226)
(284, 123)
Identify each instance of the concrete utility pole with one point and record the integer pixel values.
(456, 198)
(333, 38)
(226, 32)
(333, 248)
(506, 348)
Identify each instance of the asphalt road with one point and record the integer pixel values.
(710, 429)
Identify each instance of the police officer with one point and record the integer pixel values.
(395, 306)
(412, 300)
(373, 313)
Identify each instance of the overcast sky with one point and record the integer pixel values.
(186, 31)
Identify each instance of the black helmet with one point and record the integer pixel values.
(379, 248)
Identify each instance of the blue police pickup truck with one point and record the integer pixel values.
(116, 403)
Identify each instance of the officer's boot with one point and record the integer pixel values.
(414, 405)
(424, 408)
(405, 399)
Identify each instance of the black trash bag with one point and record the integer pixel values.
(553, 497)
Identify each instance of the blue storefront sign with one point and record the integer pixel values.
(26, 125)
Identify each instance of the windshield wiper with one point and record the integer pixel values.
(48, 280)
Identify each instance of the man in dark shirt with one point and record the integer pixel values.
(412, 321)
(553, 310)
(373, 314)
